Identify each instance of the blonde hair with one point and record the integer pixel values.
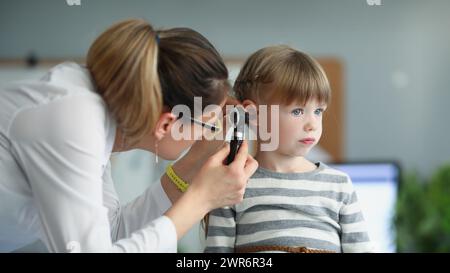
(281, 74)
(137, 70)
(123, 64)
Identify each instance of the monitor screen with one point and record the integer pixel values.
(376, 185)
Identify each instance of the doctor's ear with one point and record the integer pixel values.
(164, 124)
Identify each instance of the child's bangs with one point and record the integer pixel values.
(299, 82)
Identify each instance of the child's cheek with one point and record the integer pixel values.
(288, 132)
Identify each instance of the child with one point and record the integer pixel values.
(290, 204)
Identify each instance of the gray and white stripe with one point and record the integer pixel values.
(317, 209)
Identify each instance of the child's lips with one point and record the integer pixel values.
(308, 140)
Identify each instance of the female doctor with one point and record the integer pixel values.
(57, 135)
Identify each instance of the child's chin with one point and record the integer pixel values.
(295, 154)
(303, 152)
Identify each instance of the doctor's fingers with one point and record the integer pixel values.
(219, 157)
(241, 156)
(250, 166)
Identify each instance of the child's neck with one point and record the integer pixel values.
(284, 163)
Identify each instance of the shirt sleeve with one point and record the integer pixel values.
(354, 235)
(135, 215)
(60, 147)
(221, 235)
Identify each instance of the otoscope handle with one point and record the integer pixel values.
(234, 148)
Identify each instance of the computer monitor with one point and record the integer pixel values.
(376, 184)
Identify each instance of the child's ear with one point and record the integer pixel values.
(248, 103)
(164, 124)
(250, 106)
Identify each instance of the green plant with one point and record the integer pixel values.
(422, 219)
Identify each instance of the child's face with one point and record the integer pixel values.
(300, 127)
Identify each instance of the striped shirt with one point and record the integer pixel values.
(317, 209)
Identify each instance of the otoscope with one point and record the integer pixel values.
(239, 118)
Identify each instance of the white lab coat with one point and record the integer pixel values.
(56, 137)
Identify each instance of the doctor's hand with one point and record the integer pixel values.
(215, 185)
(220, 185)
(190, 164)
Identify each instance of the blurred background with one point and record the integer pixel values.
(388, 64)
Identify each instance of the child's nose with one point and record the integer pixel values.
(310, 125)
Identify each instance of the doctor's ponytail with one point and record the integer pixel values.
(123, 64)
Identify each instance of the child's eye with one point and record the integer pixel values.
(297, 112)
(319, 111)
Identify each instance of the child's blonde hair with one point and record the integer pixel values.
(282, 75)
